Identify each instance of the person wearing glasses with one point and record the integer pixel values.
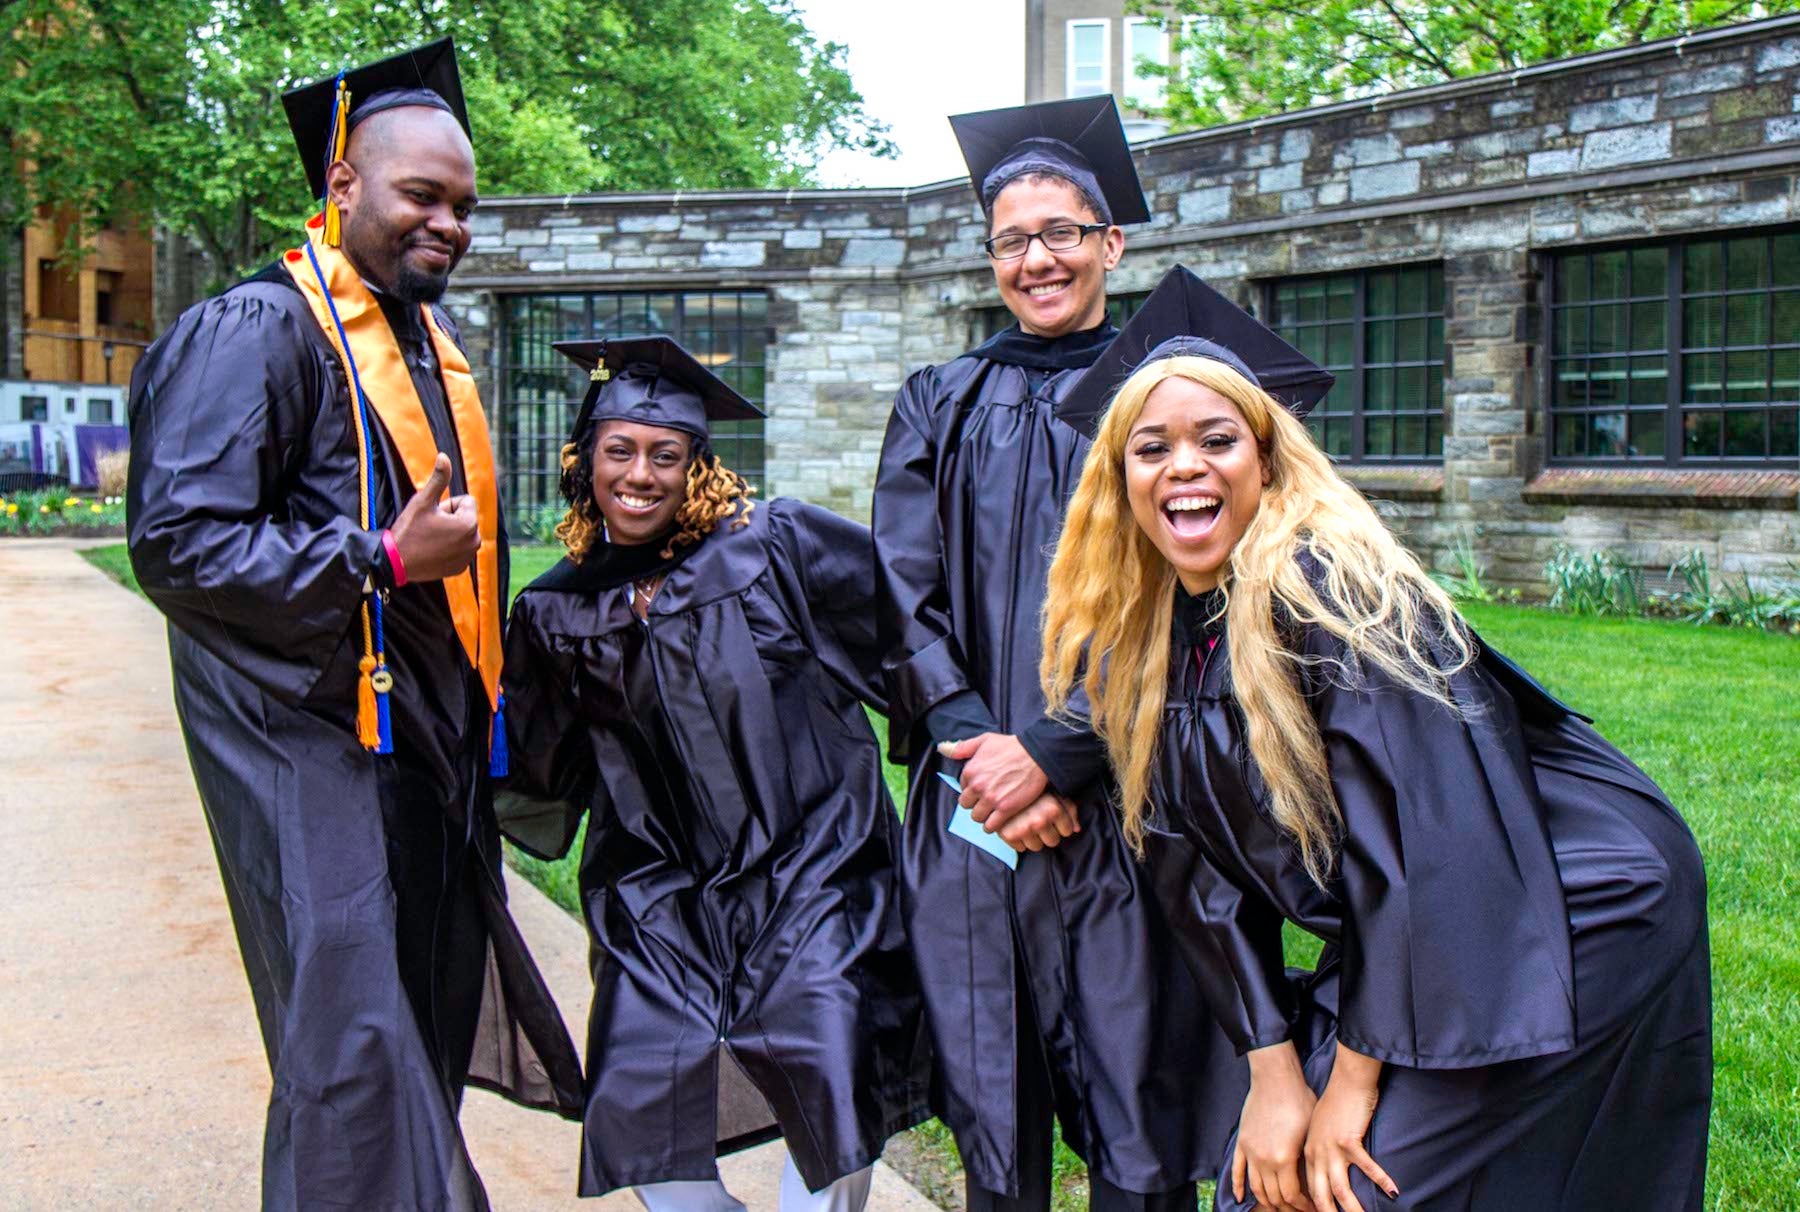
(1046, 964)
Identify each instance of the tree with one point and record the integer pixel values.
(170, 112)
(1246, 58)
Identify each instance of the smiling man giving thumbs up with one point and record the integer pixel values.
(334, 626)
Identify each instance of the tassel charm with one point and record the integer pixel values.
(499, 760)
(383, 681)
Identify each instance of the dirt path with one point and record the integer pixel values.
(131, 1071)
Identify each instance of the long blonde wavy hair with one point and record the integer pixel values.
(714, 493)
(1107, 615)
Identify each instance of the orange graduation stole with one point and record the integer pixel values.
(380, 382)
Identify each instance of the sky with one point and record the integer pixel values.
(915, 62)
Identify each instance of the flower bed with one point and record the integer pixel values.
(58, 512)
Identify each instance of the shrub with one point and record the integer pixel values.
(1469, 582)
(1599, 583)
(541, 523)
(111, 469)
(1741, 603)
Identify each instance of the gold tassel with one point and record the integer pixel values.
(340, 135)
(368, 716)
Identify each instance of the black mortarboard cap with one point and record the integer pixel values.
(1081, 139)
(1184, 317)
(652, 381)
(425, 75)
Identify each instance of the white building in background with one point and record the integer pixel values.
(1083, 48)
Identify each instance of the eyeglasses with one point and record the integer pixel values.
(1060, 238)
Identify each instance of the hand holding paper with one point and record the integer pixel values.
(963, 826)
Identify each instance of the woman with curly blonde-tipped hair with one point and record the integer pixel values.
(692, 678)
(1512, 1010)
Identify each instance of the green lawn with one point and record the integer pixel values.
(1713, 714)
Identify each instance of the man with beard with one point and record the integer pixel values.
(334, 628)
(1055, 987)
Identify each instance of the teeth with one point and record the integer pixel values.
(636, 502)
(1037, 291)
(1191, 504)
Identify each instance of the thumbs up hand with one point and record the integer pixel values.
(437, 536)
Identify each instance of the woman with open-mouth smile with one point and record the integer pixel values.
(1512, 1009)
(691, 679)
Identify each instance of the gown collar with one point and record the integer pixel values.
(609, 565)
(1078, 350)
(1199, 616)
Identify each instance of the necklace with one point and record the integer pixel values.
(644, 590)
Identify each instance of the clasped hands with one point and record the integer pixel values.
(1007, 793)
(1294, 1150)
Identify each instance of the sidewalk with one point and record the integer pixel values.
(131, 1071)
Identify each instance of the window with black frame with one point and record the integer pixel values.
(1679, 353)
(540, 390)
(1381, 332)
(986, 322)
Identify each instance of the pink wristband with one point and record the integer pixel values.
(393, 554)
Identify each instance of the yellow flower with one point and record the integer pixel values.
(95, 509)
(71, 503)
(43, 509)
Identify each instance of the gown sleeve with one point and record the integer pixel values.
(1456, 947)
(833, 560)
(1229, 940)
(551, 777)
(221, 413)
(923, 663)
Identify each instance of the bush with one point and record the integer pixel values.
(1599, 583)
(541, 523)
(111, 469)
(1469, 582)
(1774, 605)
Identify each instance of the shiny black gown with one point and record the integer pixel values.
(738, 870)
(975, 472)
(365, 890)
(1516, 926)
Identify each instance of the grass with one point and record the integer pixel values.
(114, 562)
(1713, 714)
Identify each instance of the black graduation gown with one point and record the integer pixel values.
(738, 869)
(975, 473)
(365, 889)
(1516, 926)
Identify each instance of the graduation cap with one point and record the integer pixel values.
(323, 114)
(652, 381)
(1080, 139)
(1184, 317)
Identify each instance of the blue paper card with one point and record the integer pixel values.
(963, 826)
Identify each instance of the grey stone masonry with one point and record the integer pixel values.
(1484, 176)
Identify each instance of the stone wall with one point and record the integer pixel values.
(1484, 175)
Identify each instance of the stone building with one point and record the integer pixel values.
(1563, 303)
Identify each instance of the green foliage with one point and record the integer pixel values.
(171, 111)
(57, 511)
(1601, 582)
(1469, 582)
(540, 527)
(1248, 58)
(1739, 603)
